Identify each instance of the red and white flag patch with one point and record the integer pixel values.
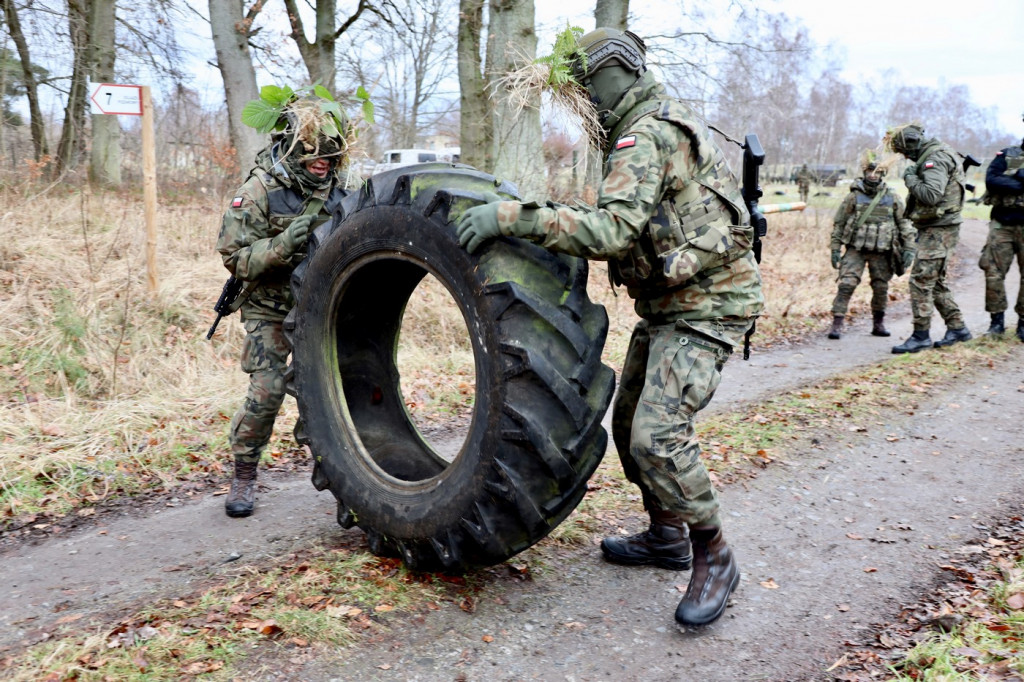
(627, 141)
(236, 202)
(929, 165)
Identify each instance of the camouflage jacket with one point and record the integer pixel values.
(803, 178)
(669, 216)
(935, 186)
(885, 228)
(260, 210)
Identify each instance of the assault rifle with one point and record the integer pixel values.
(753, 157)
(968, 161)
(225, 304)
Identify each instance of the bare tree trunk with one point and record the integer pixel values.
(518, 147)
(475, 123)
(105, 155)
(72, 136)
(231, 30)
(39, 147)
(612, 13)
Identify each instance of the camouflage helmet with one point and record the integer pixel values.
(604, 46)
(311, 133)
(906, 139)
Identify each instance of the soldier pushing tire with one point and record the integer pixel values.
(541, 389)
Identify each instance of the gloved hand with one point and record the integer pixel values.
(908, 259)
(837, 256)
(293, 236)
(478, 225)
(910, 171)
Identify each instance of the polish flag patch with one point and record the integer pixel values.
(999, 153)
(929, 165)
(627, 141)
(236, 202)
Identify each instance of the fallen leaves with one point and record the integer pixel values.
(769, 584)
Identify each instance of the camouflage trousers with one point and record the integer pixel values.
(850, 270)
(1005, 242)
(668, 376)
(265, 359)
(928, 289)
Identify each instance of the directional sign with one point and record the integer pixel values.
(105, 98)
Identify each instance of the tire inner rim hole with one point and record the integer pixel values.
(407, 368)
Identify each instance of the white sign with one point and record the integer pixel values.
(105, 98)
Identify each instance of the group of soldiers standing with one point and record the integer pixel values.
(878, 230)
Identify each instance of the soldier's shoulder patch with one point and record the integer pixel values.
(929, 164)
(624, 142)
(237, 202)
(999, 153)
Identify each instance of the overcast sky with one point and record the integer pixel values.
(977, 44)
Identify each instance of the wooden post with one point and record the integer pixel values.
(149, 186)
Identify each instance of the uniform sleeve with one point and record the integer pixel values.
(245, 244)
(908, 235)
(627, 199)
(929, 184)
(842, 216)
(997, 182)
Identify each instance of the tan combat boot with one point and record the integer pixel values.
(665, 544)
(242, 498)
(715, 575)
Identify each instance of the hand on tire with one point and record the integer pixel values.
(294, 236)
(837, 256)
(908, 259)
(478, 225)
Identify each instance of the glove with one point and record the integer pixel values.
(478, 225)
(837, 256)
(910, 171)
(908, 259)
(293, 236)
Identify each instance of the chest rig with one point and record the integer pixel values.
(1014, 161)
(873, 225)
(697, 224)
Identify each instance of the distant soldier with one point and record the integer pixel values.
(294, 188)
(935, 187)
(1004, 185)
(871, 224)
(803, 182)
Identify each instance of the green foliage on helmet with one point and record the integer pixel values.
(904, 139)
(561, 62)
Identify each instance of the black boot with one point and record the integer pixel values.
(666, 544)
(837, 327)
(954, 336)
(998, 324)
(242, 498)
(1020, 329)
(918, 341)
(715, 575)
(878, 324)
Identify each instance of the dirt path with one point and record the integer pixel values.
(911, 500)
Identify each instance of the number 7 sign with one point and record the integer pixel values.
(105, 98)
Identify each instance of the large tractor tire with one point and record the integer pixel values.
(541, 389)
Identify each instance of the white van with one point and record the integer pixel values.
(396, 158)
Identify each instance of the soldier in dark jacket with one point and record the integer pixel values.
(1004, 191)
(935, 196)
(672, 224)
(294, 188)
(872, 226)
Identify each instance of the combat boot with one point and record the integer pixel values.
(837, 327)
(715, 575)
(878, 324)
(954, 336)
(998, 324)
(665, 544)
(918, 341)
(1020, 329)
(242, 498)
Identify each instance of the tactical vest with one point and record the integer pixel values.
(952, 200)
(705, 212)
(871, 228)
(1014, 161)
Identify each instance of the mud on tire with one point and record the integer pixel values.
(541, 389)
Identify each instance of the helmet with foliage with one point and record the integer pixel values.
(873, 170)
(607, 63)
(906, 139)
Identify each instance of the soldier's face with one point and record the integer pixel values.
(873, 176)
(318, 167)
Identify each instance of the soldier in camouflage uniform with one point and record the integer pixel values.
(871, 224)
(293, 189)
(672, 224)
(803, 182)
(1004, 191)
(935, 185)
